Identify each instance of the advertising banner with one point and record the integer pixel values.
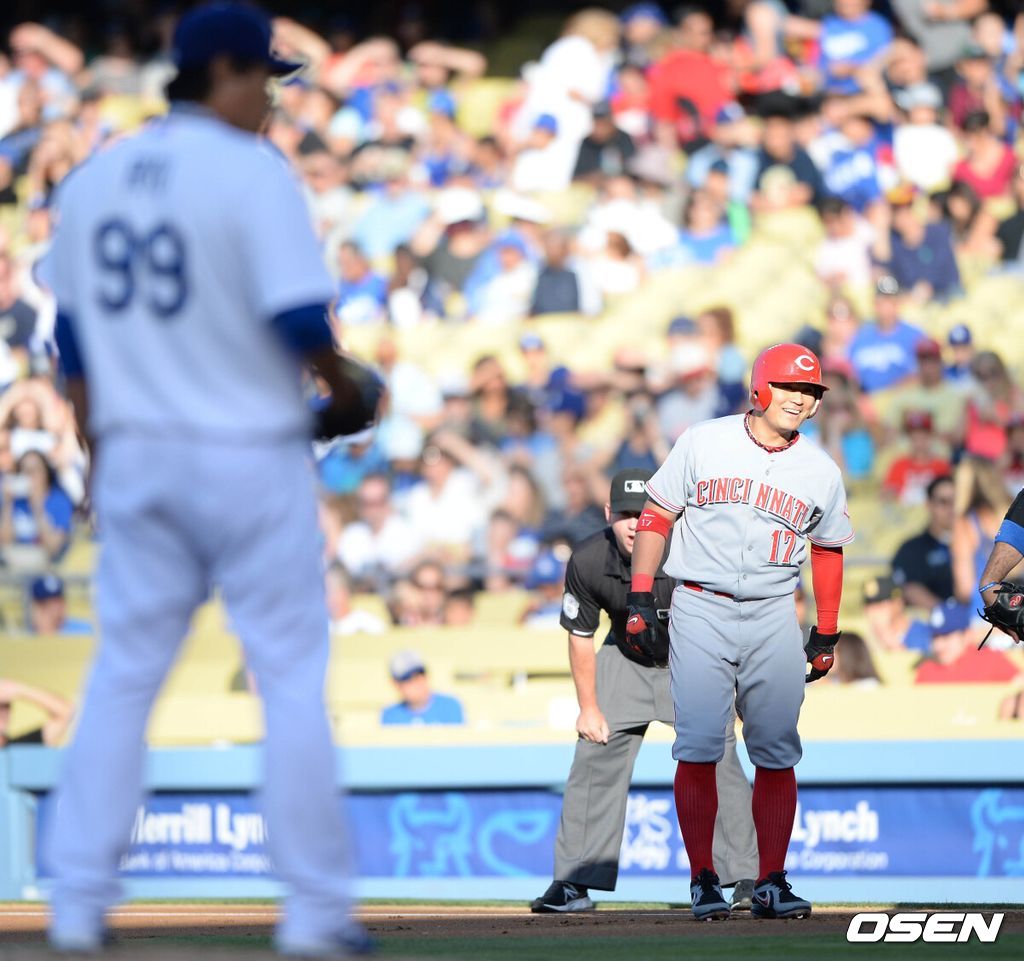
(839, 832)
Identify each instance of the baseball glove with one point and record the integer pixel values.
(1006, 612)
(332, 420)
(820, 650)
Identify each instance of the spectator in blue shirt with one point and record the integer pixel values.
(418, 704)
(35, 509)
(733, 143)
(851, 170)
(882, 351)
(362, 294)
(921, 255)
(48, 611)
(850, 39)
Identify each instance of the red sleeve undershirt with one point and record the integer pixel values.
(827, 578)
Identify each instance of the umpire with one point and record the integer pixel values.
(620, 693)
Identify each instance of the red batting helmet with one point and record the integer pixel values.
(783, 364)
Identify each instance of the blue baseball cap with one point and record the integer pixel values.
(547, 569)
(729, 113)
(949, 617)
(46, 587)
(960, 335)
(442, 102)
(682, 326)
(547, 122)
(512, 239)
(234, 29)
(567, 401)
(405, 665)
(647, 11)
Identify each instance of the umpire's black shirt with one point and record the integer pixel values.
(598, 578)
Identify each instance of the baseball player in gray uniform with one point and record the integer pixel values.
(620, 692)
(738, 497)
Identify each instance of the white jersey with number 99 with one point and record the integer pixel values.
(171, 268)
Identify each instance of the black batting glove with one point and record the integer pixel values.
(641, 623)
(820, 650)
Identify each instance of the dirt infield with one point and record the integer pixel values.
(169, 932)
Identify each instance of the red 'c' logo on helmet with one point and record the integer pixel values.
(805, 362)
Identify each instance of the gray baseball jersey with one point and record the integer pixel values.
(747, 510)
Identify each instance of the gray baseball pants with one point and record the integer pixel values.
(594, 807)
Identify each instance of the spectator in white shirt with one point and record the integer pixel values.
(381, 545)
(344, 619)
(844, 259)
(925, 151)
(507, 296)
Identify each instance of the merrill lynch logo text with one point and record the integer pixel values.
(952, 926)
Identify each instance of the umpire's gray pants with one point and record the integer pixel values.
(594, 807)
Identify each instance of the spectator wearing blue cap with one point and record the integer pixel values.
(961, 348)
(537, 163)
(545, 581)
(48, 610)
(642, 25)
(732, 146)
(445, 152)
(419, 704)
(954, 657)
(506, 297)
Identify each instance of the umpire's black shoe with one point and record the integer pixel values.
(706, 898)
(774, 898)
(562, 897)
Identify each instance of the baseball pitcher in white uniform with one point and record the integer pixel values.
(191, 292)
(738, 498)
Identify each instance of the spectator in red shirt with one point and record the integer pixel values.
(954, 659)
(688, 86)
(909, 476)
(977, 88)
(989, 162)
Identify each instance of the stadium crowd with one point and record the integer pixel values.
(636, 144)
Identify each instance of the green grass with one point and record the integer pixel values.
(777, 948)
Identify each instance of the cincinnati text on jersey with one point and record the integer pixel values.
(768, 499)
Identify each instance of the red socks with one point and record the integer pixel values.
(774, 808)
(696, 806)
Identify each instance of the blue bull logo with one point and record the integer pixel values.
(998, 835)
(437, 836)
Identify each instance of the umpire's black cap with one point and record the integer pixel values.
(629, 490)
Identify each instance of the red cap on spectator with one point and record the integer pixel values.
(917, 420)
(928, 348)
